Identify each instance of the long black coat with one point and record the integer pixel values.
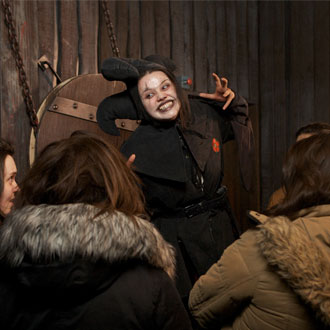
(180, 167)
(61, 268)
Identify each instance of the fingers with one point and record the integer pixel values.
(229, 98)
(208, 96)
(224, 83)
(130, 160)
(216, 79)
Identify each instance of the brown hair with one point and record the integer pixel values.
(305, 176)
(184, 113)
(313, 128)
(83, 169)
(5, 149)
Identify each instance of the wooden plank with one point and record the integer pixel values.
(231, 49)
(188, 42)
(177, 37)
(280, 89)
(121, 27)
(267, 25)
(105, 49)
(48, 45)
(147, 26)
(253, 55)
(302, 67)
(222, 67)
(242, 200)
(88, 22)
(253, 96)
(15, 124)
(274, 24)
(231, 162)
(321, 52)
(200, 53)
(211, 45)
(134, 36)
(242, 48)
(68, 39)
(162, 32)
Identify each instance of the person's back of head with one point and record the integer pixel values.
(312, 129)
(305, 175)
(83, 169)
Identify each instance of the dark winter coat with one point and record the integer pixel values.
(276, 276)
(182, 167)
(64, 268)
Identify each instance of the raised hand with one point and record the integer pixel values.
(222, 92)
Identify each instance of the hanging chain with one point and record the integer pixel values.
(9, 21)
(111, 34)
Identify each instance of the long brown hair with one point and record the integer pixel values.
(305, 176)
(83, 169)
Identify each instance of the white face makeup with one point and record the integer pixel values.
(158, 96)
(10, 186)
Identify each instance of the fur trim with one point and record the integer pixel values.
(62, 232)
(299, 261)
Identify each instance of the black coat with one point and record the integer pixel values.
(63, 269)
(182, 167)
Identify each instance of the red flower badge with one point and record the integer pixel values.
(215, 145)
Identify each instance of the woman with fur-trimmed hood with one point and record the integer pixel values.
(79, 253)
(277, 276)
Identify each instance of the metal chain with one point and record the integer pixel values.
(110, 29)
(10, 23)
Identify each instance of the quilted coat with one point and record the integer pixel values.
(276, 276)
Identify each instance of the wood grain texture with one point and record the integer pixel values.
(162, 28)
(68, 39)
(48, 44)
(15, 123)
(88, 22)
(134, 36)
(275, 53)
(147, 26)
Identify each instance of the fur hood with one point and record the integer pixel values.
(298, 258)
(45, 233)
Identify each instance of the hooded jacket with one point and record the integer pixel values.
(66, 267)
(276, 276)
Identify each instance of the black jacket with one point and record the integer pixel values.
(182, 167)
(61, 268)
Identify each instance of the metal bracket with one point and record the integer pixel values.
(44, 64)
(85, 111)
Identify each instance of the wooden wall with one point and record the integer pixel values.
(275, 53)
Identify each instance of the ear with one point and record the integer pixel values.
(162, 60)
(117, 106)
(127, 70)
(115, 68)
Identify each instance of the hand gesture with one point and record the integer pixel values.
(130, 160)
(222, 92)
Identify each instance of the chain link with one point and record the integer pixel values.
(10, 23)
(110, 29)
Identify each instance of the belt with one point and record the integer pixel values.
(219, 202)
(206, 205)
